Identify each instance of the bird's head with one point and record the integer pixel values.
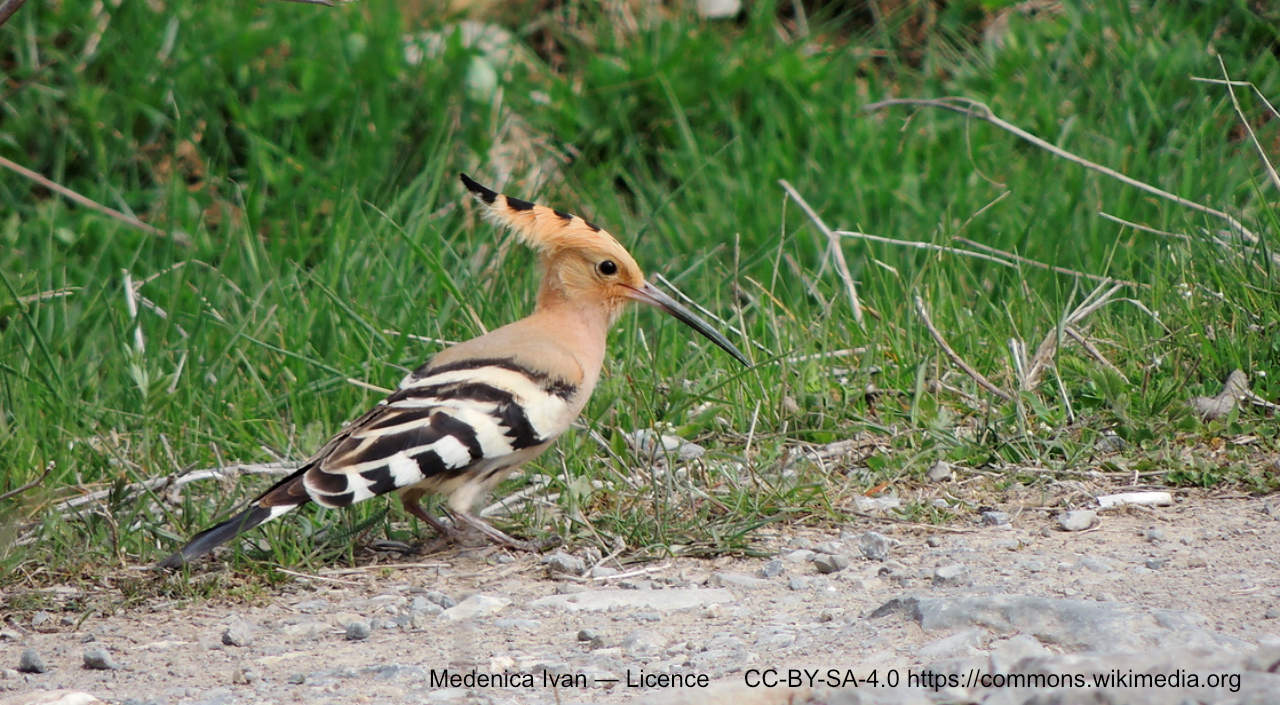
(584, 264)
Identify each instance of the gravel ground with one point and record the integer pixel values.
(1133, 593)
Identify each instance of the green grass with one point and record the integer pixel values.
(313, 168)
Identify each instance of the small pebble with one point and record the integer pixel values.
(1156, 563)
(1110, 443)
(30, 662)
(952, 574)
(772, 569)
(237, 634)
(441, 599)
(98, 659)
(1077, 519)
(939, 472)
(243, 675)
(830, 563)
(874, 546)
(561, 562)
(994, 518)
(592, 638)
(358, 630)
(935, 542)
(603, 571)
(1154, 535)
(297, 679)
(1272, 613)
(830, 548)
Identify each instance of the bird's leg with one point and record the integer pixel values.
(413, 505)
(494, 534)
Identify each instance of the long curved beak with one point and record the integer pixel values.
(654, 297)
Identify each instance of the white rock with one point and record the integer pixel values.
(475, 606)
(1146, 499)
(719, 9)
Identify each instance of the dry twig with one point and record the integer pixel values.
(1049, 346)
(833, 242)
(1235, 103)
(48, 468)
(178, 237)
(955, 358)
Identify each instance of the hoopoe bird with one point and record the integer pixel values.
(480, 409)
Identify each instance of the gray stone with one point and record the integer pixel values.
(476, 606)
(875, 505)
(952, 574)
(691, 451)
(1071, 624)
(772, 569)
(98, 659)
(42, 621)
(244, 675)
(238, 633)
(874, 546)
(1110, 443)
(1154, 535)
(358, 630)
(30, 662)
(939, 472)
(664, 600)
(602, 571)
(935, 542)
(962, 644)
(561, 562)
(830, 564)
(830, 548)
(643, 643)
(1006, 654)
(994, 518)
(591, 637)
(441, 599)
(739, 580)
(800, 555)
(1096, 564)
(1077, 519)
(1156, 563)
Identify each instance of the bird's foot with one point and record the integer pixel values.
(498, 536)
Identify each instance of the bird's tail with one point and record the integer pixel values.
(282, 498)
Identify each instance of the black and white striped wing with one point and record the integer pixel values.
(443, 422)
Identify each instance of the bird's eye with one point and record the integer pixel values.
(607, 268)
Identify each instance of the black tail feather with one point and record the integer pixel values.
(211, 538)
(286, 495)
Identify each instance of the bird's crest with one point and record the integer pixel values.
(544, 229)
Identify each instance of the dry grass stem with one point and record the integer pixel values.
(178, 237)
(837, 254)
(175, 481)
(1093, 351)
(979, 110)
(1050, 267)
(366, 385)
(48, 468)
(1049, 346)
(954, 357)
(1235, 103)
(1144, 228)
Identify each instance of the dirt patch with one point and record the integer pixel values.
(1204, 572)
